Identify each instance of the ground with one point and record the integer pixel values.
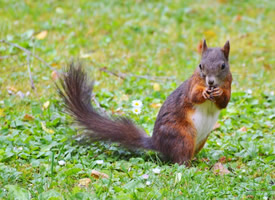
(155, 45)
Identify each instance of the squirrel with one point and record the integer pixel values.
(184, 121)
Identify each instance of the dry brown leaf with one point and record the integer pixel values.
(27, 117)
(219, 169)
(97, 174)
(11, 88)
(155, 105)
(42, 35)
(238, 18)
(84, 182)
(125, 97)
(267, 67)
(86, 55)
(243, 129)
(205, 159)
(216, 126)
(222, 159)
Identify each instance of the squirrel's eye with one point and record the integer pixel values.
(200, 66)
(223, 65)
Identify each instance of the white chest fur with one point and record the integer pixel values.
(204, 119)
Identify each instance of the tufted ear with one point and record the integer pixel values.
(204, 46)
(226, 49)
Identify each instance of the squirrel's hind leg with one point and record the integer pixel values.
(175, 144)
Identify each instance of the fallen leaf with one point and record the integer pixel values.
(84, 182)
(216, 126)
(12, 89)
(205, 159)
(42, 35)
(237, 18)
(118, 111)
(54, 75)
(155, 105)
(125, 97)
(219, 169)
(86, 55)
(46, 105)
(267, 67)
(27, 117)
(243, 129)
(97, 174)
(156, 87)
(90, 31)
(46, 129)
(222, 159)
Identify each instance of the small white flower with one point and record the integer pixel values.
(145, 176)
(148, 183)
(99, 162)
(272, 93)
(137, 104)
(136, 110)
(20, 148)
(61, 162)
(156, 170)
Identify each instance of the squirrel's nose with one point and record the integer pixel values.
(210, 82)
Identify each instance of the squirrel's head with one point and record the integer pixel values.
(214, 66)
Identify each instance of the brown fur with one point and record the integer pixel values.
(174, 133)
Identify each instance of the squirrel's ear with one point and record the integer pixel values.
(226, 49)
(204, 46)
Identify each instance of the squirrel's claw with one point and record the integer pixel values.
(207, 95)
(217, 92)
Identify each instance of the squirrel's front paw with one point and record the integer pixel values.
(216, 92)
(207, 94)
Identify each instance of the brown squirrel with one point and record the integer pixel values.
(184, 121)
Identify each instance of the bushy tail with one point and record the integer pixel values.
(76, 92)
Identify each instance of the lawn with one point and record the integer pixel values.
(154, 45)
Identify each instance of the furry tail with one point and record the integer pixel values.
(76, 92)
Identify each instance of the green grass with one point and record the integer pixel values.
(153, 38)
